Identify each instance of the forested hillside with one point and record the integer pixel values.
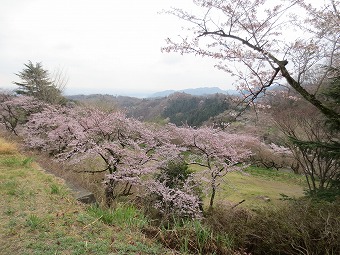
(178, 108)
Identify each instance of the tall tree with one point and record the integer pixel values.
(264, 43)
(36, 82)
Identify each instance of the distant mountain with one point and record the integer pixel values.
(195, 92)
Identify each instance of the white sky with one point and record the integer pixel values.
(104, 46)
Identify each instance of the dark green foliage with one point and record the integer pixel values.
(192, 110)
(36, 82)
(332, 94)
(333, 91)
(174, 174)
(327, 149)
(330, 194)
(178, 108)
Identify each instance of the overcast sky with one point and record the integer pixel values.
(104, 46)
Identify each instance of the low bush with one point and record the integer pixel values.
(301, 227)
(230, 221)
(191, 237)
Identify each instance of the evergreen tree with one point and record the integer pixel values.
(36, 82)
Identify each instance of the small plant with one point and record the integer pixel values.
(55, 189)
(27, 161)
(9, 211)
(285, 197)
(11, 187)
(33, 222)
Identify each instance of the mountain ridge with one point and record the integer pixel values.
(195, 92)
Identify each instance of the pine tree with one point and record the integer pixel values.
(36, 82)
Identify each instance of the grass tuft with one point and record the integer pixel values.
(55, 189)
(7, 148)
(124, 214)
(33, 222)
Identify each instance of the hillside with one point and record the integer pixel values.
(177, 108)
(38, 215)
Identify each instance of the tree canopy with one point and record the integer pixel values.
(262, 43)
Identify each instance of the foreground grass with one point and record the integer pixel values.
(39, 216)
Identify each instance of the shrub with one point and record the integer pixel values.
(301, 227)
(298, 227)
(174, 193)
(229, 221)
(174, 174)
(191, 237)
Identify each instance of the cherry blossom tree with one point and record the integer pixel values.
(262, 43)
(133, 152)
(174, 192)
(130, 149)
(15, 110)
(216, 151)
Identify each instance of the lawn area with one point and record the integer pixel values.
(38, 215)
(258, 187)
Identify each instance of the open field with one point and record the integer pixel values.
(258, 187)
(261, 186)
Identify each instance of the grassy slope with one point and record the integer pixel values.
(258, 184)
(254, 185)
(39, 216)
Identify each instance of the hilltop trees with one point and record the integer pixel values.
(37, 82)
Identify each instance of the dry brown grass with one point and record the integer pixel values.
(7, 148)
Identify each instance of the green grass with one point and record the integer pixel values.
(123, 214)
(259, 187)
(38, 215)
